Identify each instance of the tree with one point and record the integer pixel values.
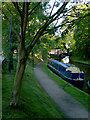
(78, 30)
(44, 44)
(28, 11)
(75, 30)
(81, 36)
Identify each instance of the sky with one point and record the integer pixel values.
(69, 5)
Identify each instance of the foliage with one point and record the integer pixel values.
(45, 44)
(6, 45)
(76, 32)
(82, 46)
(59, 43)
(69, 39)
(34, 23)
(81, 37)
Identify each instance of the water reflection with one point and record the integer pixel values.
(86, 70)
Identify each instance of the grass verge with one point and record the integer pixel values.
(35, 103)
(78, 59)
(76, 93)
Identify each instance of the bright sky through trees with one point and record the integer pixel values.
(69, 6)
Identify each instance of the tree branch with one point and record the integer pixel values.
(48, 22)
(61, 25)
(17, 7)
(33, 9)
(60, 10)
(37, 36)
(25, 18)
(23, 8)
(52, 9)
(11, 13)
(11, 25)
(29, 3)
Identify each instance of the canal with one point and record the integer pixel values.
(86, 70)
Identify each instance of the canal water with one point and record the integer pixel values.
(86, 70)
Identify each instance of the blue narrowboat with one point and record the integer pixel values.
(68, 72)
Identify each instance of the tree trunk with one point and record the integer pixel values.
(15, 101)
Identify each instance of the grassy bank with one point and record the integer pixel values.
(35, 103)
(79, 95)
(78, 59)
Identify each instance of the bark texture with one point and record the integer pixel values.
(15, 101)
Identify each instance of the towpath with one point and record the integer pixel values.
(66, 103)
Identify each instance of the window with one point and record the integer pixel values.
(56, 66)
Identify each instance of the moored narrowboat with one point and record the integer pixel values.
(68, 72)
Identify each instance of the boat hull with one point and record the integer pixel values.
(66, 78)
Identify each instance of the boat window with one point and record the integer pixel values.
(62, 68)
(56, 66)
(52, 64)
(59, 68)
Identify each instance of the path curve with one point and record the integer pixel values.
(66, 103)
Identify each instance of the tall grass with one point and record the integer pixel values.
(35, 103)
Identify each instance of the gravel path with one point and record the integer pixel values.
(66, 103)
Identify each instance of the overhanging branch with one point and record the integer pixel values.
(33, 9)
(61, 25)
(10, 12)
(52, 8)
(17, 7)
(57, 14)
(41, 30)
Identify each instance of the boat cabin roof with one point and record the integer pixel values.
(59, 63)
